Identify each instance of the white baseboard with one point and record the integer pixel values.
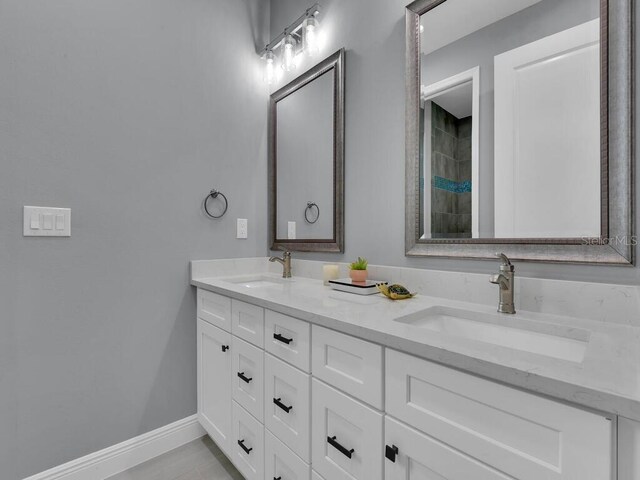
(121, 457)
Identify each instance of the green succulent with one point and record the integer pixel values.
(360, 264)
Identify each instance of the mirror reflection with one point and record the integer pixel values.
(305, 162)
(510, 117)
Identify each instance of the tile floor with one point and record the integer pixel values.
(198, 460)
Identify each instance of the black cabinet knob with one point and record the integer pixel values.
(225, 348)
(390, 452)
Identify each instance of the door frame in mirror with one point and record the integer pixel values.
(616, 245)
(335, 62)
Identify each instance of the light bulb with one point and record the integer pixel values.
(270, 68)
(311, 44)
(288, 53)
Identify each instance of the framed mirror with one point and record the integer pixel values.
(306, 160)
(519, 130)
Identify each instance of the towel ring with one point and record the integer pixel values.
(215, 194)
(311, 206)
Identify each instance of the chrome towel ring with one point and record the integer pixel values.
(311, 206)
(215, 194)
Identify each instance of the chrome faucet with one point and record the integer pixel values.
(286, 263)
(505, 280)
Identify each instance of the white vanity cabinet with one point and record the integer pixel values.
(214, 380)
(628, 449)
(520, 434)
(346, 437)
(286, 399)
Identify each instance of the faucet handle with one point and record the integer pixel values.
(506, 263)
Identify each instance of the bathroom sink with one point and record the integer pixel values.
(257, 281)
(513, 332)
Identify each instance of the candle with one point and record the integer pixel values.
(330, 272)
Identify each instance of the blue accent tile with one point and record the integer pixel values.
(451, 186)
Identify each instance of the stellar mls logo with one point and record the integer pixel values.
(626, 240)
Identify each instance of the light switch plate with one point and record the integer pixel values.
(46, 222)
(242, 228)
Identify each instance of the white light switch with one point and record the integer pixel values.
(46, 222)
(60, 222)
(291, 230)
(35, 221)
(242, 228)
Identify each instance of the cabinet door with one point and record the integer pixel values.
(247, 444)
(348, 363)
(248, 377)
(412, 455)
(524, 435)
(288, 338)
(628, 449)
(214, 383)
(280, 462)
(286, 396)
(215, 309)
(346, 441)
(247, 322)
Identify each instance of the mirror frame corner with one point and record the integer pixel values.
(335, 62)
(618, 160)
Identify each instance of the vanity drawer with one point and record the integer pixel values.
(248, 377)
(286, 396)
(523, 435)
(281, 462)
(247, 322)
(421, 456)
(288, 338)
(248, 444)
(348, 363)
(346, 441)
(215, 309)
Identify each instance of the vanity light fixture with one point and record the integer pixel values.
(289, 53)
(270, 68)
(310, 41)
(301, 36)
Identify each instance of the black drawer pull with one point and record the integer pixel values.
(282, 339)
(282, 405)
(390, 452)
(246, 379)
(278, 478)
(246, 450)
(225, 348)
(340, 448)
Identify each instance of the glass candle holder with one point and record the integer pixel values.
(330, 272)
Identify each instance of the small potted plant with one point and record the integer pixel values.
(358, 270)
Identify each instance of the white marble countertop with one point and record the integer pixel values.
(608, 378)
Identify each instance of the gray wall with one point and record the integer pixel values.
(128, 112)
(372, 31)
(479, 49)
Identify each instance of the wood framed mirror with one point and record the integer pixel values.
(306, 160)
(519, 130)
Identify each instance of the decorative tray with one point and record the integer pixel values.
(359, 288)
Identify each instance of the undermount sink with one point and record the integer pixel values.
(506, 331)
(258, 281)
